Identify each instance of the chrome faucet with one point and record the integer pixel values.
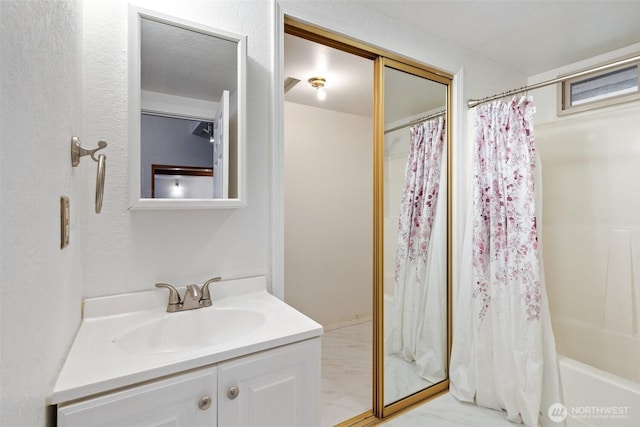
(194, 297)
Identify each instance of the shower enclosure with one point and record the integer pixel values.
(591, 238)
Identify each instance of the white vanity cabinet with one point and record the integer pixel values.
(273, 388)
(248, 360)
(276, 388)
(184, 400)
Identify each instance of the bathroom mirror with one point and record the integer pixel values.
(186, 110)
(415, 224)
(418, 303)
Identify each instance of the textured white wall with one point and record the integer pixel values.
(41, 284)
(328, 218)
(64, 72)
(128, 251)
(131, 250)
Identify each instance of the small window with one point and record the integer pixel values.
(599, 89)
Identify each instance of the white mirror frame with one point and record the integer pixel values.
(135, 201)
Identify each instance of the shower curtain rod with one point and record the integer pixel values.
(474, 102)
(413, 122)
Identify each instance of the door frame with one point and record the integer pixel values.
(292, 25)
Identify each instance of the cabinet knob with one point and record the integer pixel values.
(204, 403)
(233, 392)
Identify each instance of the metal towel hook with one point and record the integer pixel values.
(77, 151)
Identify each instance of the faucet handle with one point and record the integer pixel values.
(174, 296)
(206, 295)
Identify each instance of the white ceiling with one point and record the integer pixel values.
(181, 62)
(349, 85)
(528, 36)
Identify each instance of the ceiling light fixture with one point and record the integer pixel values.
(318, 83)
(177, 189)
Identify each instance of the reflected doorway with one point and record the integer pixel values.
(181, 182)
(328, 217)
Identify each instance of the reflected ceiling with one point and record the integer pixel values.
(168, 53)
(349, 84)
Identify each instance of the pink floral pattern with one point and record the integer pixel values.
(420, 195)
(505, 238)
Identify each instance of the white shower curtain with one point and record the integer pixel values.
(418, 315)
(503, 354)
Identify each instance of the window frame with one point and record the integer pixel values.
(564, 92)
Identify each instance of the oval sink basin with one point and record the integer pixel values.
(191, 329)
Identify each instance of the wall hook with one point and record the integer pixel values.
(77, 151)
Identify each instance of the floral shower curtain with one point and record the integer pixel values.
(503, 354)
(418, 311)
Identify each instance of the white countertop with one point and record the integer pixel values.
(96, 363)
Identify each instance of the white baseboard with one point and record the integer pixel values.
(361, 318)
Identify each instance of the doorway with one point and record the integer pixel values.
(328, 222)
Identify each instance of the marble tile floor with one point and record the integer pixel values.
(401, 379)
(447, 411)
(347, 385)
(346, 373)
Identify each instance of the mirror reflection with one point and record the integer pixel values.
(189, 112)
(415, 234)
(169, 181)
(347, 260)
(328, 192)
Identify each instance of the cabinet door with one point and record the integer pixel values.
(173, 402)
(275, 388)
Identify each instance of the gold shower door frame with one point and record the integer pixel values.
(381, 60)
(410, 67)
